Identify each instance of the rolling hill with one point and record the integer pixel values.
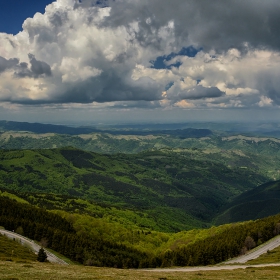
(257, 203)
(144, 189)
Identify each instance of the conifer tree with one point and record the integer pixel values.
(42, 256)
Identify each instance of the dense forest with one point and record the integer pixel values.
(232, 242)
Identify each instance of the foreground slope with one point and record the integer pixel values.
(14, 251)
(257, 252)
(59, 235)
(46, 272)
(28, 243)
(192, 248)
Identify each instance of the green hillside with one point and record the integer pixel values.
(174, 189)
(73, 237)
(60, 235)
(257, 203)
(110, 224)
(220, 246)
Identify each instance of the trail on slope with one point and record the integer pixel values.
(35, 247)
(255, 253)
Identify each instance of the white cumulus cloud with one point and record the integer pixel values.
(102, 52)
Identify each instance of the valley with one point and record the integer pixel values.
(188, 186)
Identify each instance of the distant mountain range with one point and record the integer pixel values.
(44, 128)
(62, 129)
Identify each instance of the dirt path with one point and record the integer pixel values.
(30, 243)
(255, 253)
(210, 268)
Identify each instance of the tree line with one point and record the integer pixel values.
(232, 242)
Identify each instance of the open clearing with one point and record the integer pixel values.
(48, 271)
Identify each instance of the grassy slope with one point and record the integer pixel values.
(51, 271)
(11, 250)
(272, 256)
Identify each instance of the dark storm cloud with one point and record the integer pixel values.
(91, 3)
(6, 64)
(38, 68)
(23, 71)
(209, 24)
(110, 86)
(274, 95)
(200, 92)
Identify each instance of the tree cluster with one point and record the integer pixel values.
(234, 241)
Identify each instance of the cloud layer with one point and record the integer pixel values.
(213, 54)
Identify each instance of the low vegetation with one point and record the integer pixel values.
(39, 271)
(11, 250)
(271, 256)
(60, 236)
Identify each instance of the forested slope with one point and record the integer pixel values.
(259, 202)
(227, 244)
(199, 248)
(187, 186)
(60, 236)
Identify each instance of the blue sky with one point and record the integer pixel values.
(14, 12)
(160, 60)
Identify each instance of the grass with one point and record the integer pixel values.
(47, 271)
(272, 256)
(67, 260)
(12, 251)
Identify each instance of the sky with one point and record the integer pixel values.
(120, 61)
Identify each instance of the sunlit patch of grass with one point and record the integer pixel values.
(272, 256)
(11, 250)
